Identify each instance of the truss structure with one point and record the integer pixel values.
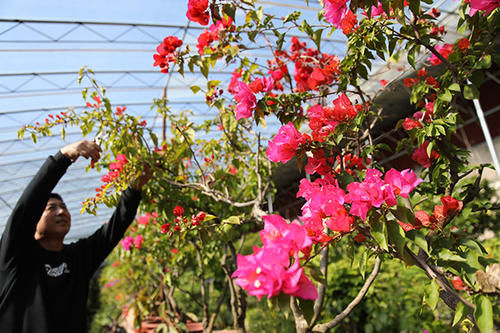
(41, 59)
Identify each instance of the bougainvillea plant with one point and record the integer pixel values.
(209, 194)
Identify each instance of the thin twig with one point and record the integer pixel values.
(335, 321)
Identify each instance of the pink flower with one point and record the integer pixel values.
(444, 50)
(377, 11)
(367, 194)
(403, 182)
(127, 242)
(262, 272)
(339, 220)
(487, 5)
(335, 11)
(122, 159)
(284, 144)
(232, 88)
(144, 219)
(139, 239)
(317, 163)
(116, 166)
(246, 101)
(266, 272)
(298, 284)
(313, 222)
(277, 232)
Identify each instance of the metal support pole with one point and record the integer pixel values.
(487, 135)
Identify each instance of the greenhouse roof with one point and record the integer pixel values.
(42, 48)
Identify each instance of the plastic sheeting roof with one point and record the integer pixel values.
(42, 47)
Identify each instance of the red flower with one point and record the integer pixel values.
(410, 82)
(348, 22)
(421, 157)
(166, 52)
(360, 238)
(178, 210)
(409, 124)
(383, 82)
(175, 251)
(406, 226)
(422, 72)
(458, 283)
(198, 11)
(165, 228)
(422, 218)
(432, 82)
(435, 13)
(463, 44)
(451, 205)
(232, 170)
(438, 214)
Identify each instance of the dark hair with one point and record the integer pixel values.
(55, 196)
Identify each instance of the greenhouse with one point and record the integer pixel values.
(250, 166)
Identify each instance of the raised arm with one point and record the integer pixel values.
(98, 246)
(21, 225)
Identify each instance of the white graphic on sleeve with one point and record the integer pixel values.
(57, 271)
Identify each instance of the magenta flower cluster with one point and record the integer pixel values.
(275, 267)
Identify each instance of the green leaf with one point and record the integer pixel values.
(418, 239)
(63, 133)
(232, 220)
(229, 10)
(362, 263)
(316, 37)
(403, 214)
(259, 13)
(445, 96)
(279, 42)
(415, 7)
(447, 255)
(33, 137)
(209, 217)
(460, 313)
(292, 17)
(484, 63)
(204, 67)
(20, 133)
(432, 294)
(411, 57)
(233, 51)
(429, 148)
(392, 45)
(252, 34)
(396, 235)
(378, 230)
(472, 244)
(471, 92)
(484, 314)
(454, 87)
(212, 84)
